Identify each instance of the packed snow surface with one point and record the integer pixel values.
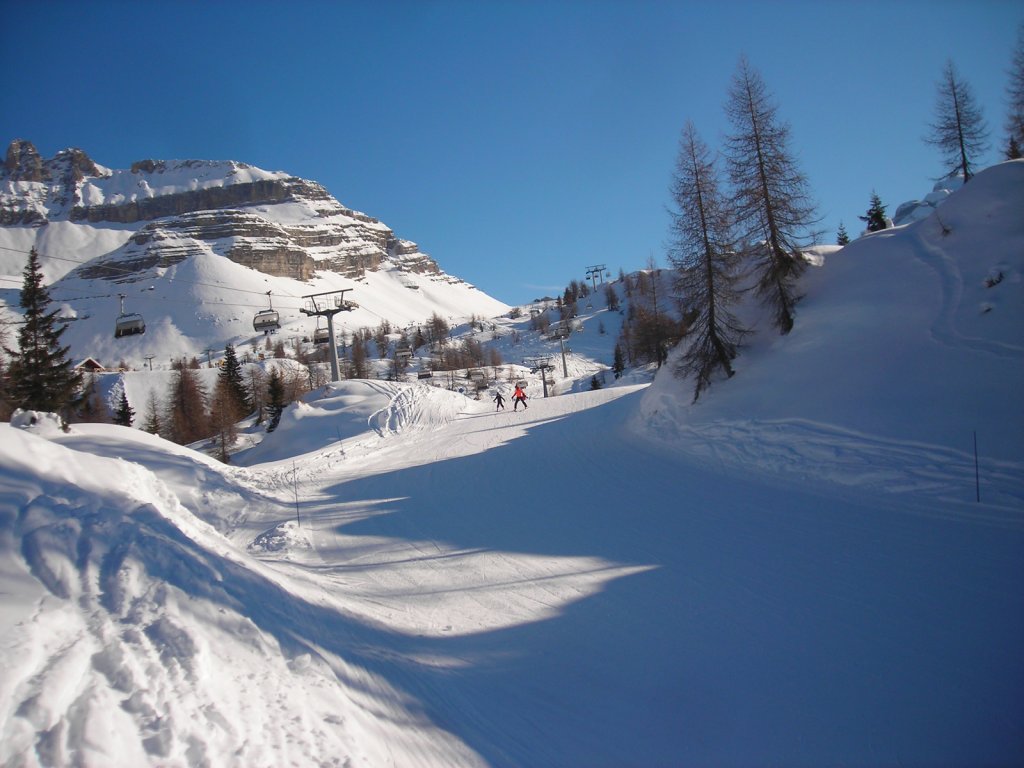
(796, 570)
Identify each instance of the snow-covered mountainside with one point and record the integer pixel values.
(809, 566)
(195, 246)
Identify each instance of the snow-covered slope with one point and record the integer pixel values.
(793, 571)
(910, 336)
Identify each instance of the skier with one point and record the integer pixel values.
(518, 397)
(500, 401)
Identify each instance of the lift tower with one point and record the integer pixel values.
(328, 304)
(542, 364)
(594, 272)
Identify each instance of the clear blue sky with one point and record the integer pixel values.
(517, 142)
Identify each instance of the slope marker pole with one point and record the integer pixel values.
(295, 490)
(977, 476)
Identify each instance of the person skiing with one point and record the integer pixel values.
(518, 397)
(499, 400)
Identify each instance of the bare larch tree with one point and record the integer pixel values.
(703, 252)
(773, 207)
(959, 130)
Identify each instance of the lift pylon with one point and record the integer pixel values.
(328, 304)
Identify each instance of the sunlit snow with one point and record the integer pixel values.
(796, 570)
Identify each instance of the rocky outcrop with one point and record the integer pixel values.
(262, 192)
(23, 162)
(68, 166)
(60, 175)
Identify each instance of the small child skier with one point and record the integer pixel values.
(500, 401)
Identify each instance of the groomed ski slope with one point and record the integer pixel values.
(467, 587)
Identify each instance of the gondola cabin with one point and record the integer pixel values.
(129, 325)
(266, 321)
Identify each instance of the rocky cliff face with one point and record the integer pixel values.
(183, 207)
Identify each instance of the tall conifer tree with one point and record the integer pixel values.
(187, 419)
(875, 217)
(704, 253)
(124, 413)
(773, 208)
(1015, 95)
(959, 129)
(231, 375)
(275, 396)
(41, 374)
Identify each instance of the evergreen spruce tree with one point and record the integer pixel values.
(875, 217)
(841, 237)
(618, 364)
(959, 130)
(124, 413)
(704, 254)
(152, 420)
(231, 375)
(275, 398)
(41, 374)
(1013, 151)
(773, 208)
(1015, 95)
(6, 409)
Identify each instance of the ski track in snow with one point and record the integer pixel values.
(111, 648)
(822, 454)
(928, 249)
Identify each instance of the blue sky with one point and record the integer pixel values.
(517, 143)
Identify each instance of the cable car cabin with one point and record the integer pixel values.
(322, 336)
(266, 320)
(129, 325)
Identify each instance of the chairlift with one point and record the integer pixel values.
(322, 334)
(128, 324)
(267, 320)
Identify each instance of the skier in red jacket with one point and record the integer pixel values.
(518, 397)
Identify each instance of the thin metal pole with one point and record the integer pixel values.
(977, 476)
(295, 490)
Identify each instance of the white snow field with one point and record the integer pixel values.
(794, 571)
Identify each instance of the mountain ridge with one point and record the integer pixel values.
(102, 232)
